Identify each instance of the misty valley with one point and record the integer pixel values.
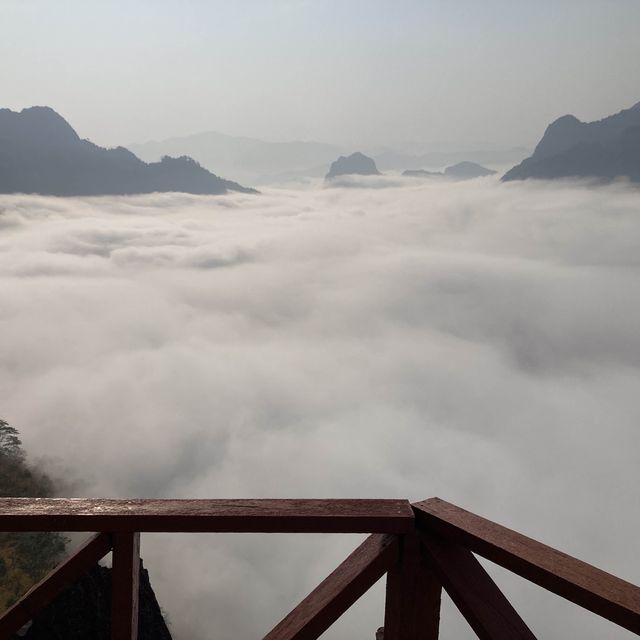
(362, 341)
(363, 275)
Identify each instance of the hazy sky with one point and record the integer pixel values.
(363, 72)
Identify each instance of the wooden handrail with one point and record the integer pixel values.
(577, 581)
(213, 516)
(426, 545)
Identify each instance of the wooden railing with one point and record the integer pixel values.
(422, 547)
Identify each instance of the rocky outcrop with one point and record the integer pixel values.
(466, 170)
(41, 153)
(605, 149)
(83, 612)
(356, 164)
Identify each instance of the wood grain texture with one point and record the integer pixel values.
(334, 595)
(65, 574)
(476, 595)
(412, 604)
(577, 581)
(268, 516)
(125, 583)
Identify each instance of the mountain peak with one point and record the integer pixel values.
(467, 169)
(567, 131)
(606, 148)
(41, 153)
(36, 126)
(47, 117)
(355, 164)
(568, 119)
(41, 110)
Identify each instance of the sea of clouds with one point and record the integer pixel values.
(477, 341)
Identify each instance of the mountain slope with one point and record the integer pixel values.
(606, 148)
(41, 153)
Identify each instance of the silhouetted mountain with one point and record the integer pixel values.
(464, 170)
(260, 162)
(355, 164)
(607, 148)
(421, 173)
(388, 160)
(247, 159)
(41, 153)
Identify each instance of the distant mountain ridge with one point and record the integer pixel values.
(606, 148)
(464, 170)
(434, 160)
(421, 173)
(258, 162)
(248, 159)
(41, 153)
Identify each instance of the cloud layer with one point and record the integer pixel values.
(475, 341)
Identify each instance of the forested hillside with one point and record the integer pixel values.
(24, 557)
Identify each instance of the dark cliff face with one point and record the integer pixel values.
(83, 612)
(566, 132)
(355, 164)
(41, 153)
(560, 135)
(606, 149)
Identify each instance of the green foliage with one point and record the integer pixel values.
(24, 557)
(10, 443)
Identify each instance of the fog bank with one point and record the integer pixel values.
(474, 341)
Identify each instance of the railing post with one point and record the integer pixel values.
(412, 608)
(125, 580)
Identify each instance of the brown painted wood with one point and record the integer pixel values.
(577, 581)
(476, 595)
(65, 574)
(125, 580)
(412, 605)
(271, 516)
(334, 595)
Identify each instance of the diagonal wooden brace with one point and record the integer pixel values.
(476, 595)
(336, 593)
(65, 574)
